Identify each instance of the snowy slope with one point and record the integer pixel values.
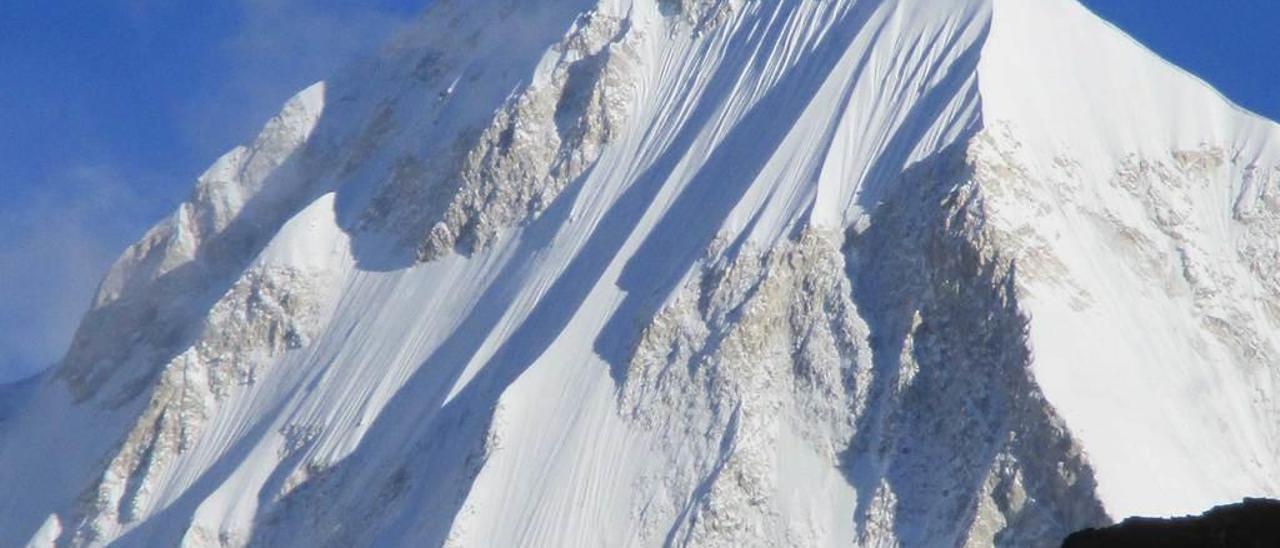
(692, 272)
(1155, 331)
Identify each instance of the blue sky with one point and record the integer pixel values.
(109, 109)
(1229, 43)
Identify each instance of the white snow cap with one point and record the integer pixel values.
(696, 272)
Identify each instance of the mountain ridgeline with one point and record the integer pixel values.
(691, 273)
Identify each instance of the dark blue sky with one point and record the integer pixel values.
(110, 108)
(1232, 44)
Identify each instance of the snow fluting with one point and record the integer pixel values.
(687, 272)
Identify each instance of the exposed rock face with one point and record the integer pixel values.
(962, 446)
(928, 403)
(692, 273)
(269, 311)
(756, 344)
(543, 138)
(1168, 211)
(702, 15)
(146, 301)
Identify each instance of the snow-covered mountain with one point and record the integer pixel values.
(688, 272)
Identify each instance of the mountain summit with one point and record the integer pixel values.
(687, 272)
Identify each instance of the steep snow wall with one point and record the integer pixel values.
(697, 272)
(1135, 199)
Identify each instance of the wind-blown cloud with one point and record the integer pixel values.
(54, 247)
(58, 238)
(282, 47)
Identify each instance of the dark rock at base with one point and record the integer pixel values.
(1252, 523)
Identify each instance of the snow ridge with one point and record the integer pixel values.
(687, 272)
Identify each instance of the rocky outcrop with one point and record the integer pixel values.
(1253, 522)
(702, 15)
(959, 445)
(686, 272)
(899, 355)
(543, 138)
(159, 283)
(757, 342)
(271, 310)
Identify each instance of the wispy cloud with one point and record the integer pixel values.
(283, 46)
(57, 239)
(54, 247)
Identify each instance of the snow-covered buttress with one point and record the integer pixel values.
(687, 272)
